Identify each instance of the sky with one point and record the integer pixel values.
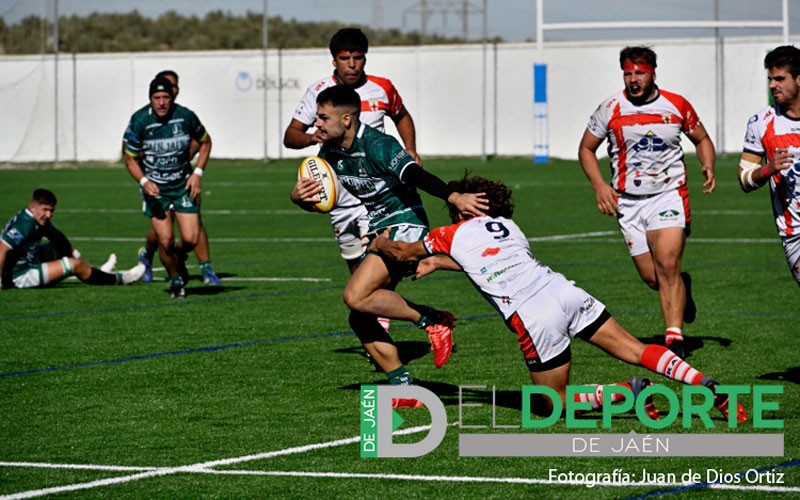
(511, 20)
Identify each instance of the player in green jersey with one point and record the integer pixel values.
(27, 263)
(375, 168)
(157, 146)
(202, 250)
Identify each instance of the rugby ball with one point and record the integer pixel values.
(318, 169)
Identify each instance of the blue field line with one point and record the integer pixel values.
(688, 487)
(170, 303)
(197, 350)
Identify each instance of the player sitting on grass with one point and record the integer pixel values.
(541, 306)
(26, 263)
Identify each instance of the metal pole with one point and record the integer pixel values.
(55, 80)
(74, 108)
(539, 30)
(483, 85)
(720, 76)
(785, 13)
(265, 45)
(280, 102)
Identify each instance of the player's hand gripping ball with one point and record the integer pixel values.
(318, 169)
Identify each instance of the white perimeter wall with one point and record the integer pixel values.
(459, 107)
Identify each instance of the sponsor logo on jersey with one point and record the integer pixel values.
(15, 235)
(588, 305)
(650, 143)
(490, 252)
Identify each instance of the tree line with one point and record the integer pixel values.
(217, 30)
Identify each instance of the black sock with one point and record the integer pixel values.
(98, 277)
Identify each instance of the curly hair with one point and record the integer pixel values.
(501, 204)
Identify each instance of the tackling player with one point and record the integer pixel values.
(542, 307)
(772, 138)
(648, 192)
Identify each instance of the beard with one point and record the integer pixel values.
(648, 91)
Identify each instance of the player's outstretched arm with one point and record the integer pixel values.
(398, 250)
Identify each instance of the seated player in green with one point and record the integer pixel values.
(542, 307)
(27, 263)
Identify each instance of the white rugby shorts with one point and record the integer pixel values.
(555, 315)
(791, 247)
(637, 215)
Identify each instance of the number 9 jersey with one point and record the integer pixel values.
(496, 256)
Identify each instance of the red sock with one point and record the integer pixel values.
(661, 360)
(672, 334)
(596, 398)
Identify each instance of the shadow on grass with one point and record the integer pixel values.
(690, 343)
(790, 375)
(203, 291)
(409, 350)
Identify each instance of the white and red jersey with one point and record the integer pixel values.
(767, 130)
(644, 142)
(379, 98)
(496, 256)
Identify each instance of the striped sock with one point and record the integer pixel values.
(596, 399)
(672, 334)
(662, 361)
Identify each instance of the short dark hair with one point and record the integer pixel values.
(785, 56)
(501, 204)
(349, 40)
(44, 197)
(166, 73)
(637, 54)
(341, 96)
(161, 85)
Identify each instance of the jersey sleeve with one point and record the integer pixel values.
(752, 137)
(15, 232)
(440, 239)
(197, 130)
(306, 111)
(395, 101)
(132, 139)
(598, 122)
(690, 119)
(392, 157)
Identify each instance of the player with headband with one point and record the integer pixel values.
(648, 192)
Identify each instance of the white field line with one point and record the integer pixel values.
(164, 471)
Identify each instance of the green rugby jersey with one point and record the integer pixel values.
(162, 146)
(23, 235)
(370, 169)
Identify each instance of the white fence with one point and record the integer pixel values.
(466, 100)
